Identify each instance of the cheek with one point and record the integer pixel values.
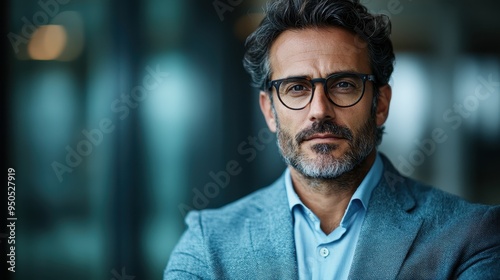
(356, 119)
(289, 120)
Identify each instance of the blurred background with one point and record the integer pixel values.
(121, 115)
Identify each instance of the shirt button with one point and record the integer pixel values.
(324, 252)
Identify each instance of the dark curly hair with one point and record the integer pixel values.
(372, 31)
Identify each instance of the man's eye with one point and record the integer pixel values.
(298, 88)
(344, 85)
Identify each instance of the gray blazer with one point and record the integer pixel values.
(411, 231)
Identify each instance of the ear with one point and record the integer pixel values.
(384, 100)
(267, 110)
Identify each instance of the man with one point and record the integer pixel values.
(340, 210)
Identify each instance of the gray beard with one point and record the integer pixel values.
(325, 166)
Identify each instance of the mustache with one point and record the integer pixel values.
(324, 127)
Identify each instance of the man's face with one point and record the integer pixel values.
(323, 140)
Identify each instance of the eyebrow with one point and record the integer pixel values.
(344, 71)
(295, 77)
(327, 75)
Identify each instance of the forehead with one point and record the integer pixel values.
(318, 51)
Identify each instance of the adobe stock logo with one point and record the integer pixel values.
(222, 6)
(94, 137)
(221, 179)
(454, 117)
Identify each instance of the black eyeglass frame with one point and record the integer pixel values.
(364, 77)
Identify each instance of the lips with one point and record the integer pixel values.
(323, 136)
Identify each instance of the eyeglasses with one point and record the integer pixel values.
(342, 89)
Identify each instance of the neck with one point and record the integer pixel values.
(329, 198)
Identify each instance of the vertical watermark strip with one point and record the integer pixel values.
(11, 219)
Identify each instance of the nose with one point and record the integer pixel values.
(320, 106)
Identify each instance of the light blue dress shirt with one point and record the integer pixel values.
(321, 256)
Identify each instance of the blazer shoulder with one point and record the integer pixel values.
(213, 237)
(436, 201)
(461, 236)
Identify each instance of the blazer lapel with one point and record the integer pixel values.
(271, 234)
(388, 230)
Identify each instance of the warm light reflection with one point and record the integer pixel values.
(47, 43)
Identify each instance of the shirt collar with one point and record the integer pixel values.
(362, 193)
